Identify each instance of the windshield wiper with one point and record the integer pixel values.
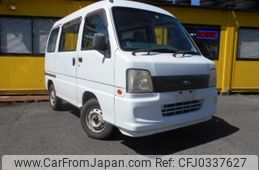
(184, 52)
(148, 50)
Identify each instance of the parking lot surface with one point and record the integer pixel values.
(33, 128)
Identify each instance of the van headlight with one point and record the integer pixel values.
(212, 78)
(139, 81)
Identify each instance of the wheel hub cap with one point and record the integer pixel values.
(95, 121)
(52, 98)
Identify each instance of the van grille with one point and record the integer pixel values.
(181, 108)
(177, 83)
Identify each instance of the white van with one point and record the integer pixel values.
(131, 66)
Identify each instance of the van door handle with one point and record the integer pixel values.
(73, 61)
(80, 59)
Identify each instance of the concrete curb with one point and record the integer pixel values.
(23, 98)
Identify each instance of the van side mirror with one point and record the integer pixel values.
(99, 42)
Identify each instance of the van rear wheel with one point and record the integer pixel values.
(55, 102)
(92, 121)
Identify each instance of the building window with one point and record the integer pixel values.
(41, 28)
(16, 35)
(53, 40)
(207, 39)
(69, 36)
(248, 44)
(20, 35)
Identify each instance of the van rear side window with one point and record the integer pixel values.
(69, 36)
(53, 40)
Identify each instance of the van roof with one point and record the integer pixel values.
(106, 4)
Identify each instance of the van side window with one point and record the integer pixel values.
(52, 40)
(94, 23)
(69, 36)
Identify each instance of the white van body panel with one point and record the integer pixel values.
(134, 114)
(96, 73)
(144, 110)
(105, 4)
(144, 116)
(66, 77)
(51, 63)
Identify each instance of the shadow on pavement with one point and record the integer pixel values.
(175, 140)
(72, 109)
(181, 139)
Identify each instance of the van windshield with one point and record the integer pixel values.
(140, 29)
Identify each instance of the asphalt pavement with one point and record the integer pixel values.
(33, 128)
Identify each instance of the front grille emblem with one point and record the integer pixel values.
(187, 82)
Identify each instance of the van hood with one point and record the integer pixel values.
(164, 68)
(165, 64)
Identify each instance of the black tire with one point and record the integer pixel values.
(55, 102)
(245, 4)
(208, 3)
(202, 1)
(226, 3)
(182, 2)
(92, 122)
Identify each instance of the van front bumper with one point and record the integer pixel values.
(143, 114)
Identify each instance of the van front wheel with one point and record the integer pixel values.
(92, 121)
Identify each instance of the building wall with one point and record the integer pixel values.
(23, 74)
(233, 74)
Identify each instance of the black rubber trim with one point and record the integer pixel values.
(177, 83)
(51, 75)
